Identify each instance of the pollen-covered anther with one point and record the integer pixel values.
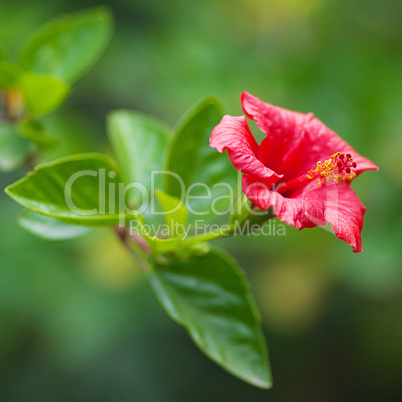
(337, 169)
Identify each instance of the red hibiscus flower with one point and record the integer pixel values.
(301, 169)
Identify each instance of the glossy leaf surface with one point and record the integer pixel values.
(210, 297)
(139, 143)
(175, 212)
(200, 171)
(67, 47)
(49, 228)
(81, 189)
(42, 93)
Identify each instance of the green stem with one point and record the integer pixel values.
(212, 235)
(237, 222)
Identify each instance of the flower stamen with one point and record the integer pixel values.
(337, 169)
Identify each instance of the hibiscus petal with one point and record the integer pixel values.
(338, 205)
(295, 141)
(304, 211)
(345, 212)
(233, 134)
(283, 127)
(256, 191)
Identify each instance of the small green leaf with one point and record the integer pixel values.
(139, 143)
(210, 297)
(198, 165)
(34, 131)
(175, 212)
(80, 189)
(163, 246)
(42, 93)
(194, 250)
(48, 228)
(14, 150)
(8, 74)
(158, 245)
(68, 46)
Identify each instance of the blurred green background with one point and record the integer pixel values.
(78, 322)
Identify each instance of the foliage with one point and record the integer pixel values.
(51, 61)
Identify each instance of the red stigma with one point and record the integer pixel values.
(347, 170)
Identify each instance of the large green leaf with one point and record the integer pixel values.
(139, 142)
(42, 93)
(49, 228)
(80, 189)
(68, 46)
(14, 150)
(193, 161)
(210, 296)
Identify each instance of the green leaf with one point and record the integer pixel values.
(48, 228)
(80, 189)
(192, 160)
(8, 74)
(139, 143)
(210, 297)
(42, 93)
(158, 245)
(70, 45)
(14, 150)
(175, 212)
(162, 246)
(34, 131)
(194, 250)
